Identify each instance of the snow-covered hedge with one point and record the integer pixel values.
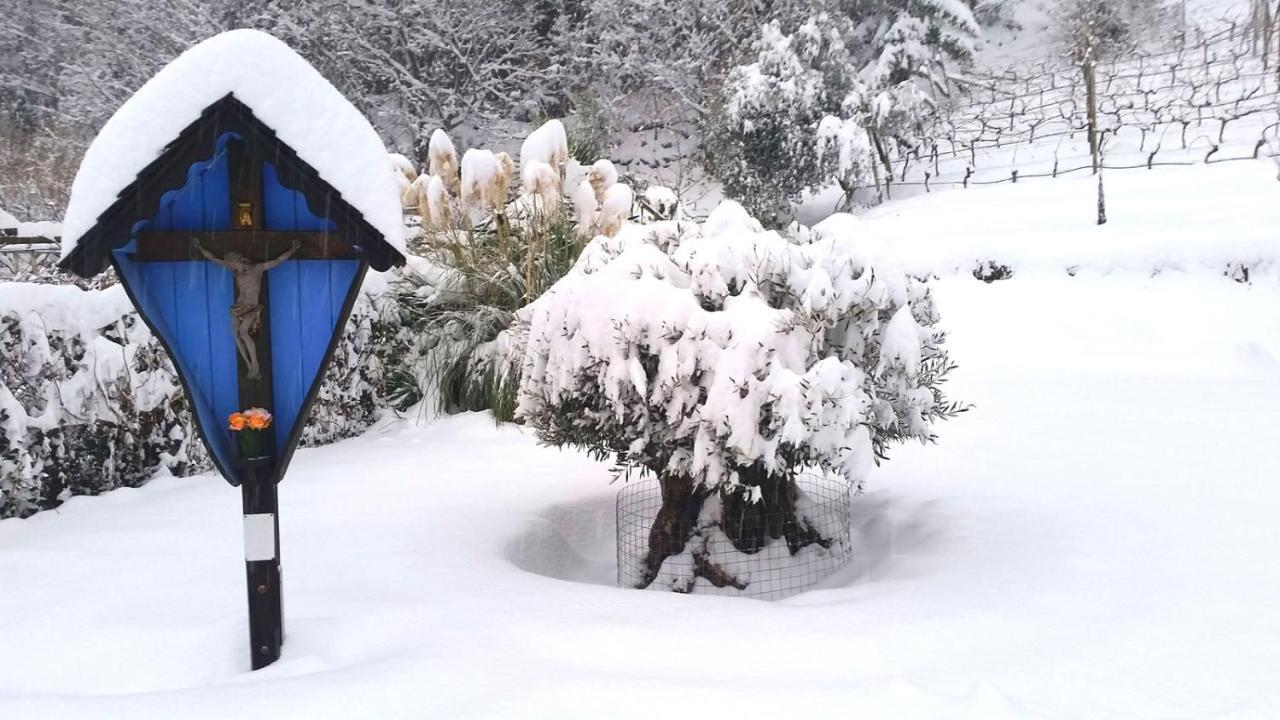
(89, 401)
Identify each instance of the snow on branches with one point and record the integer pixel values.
(825, 98)
(699, 351)
(761, 142)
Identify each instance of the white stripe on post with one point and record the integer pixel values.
(259, 537)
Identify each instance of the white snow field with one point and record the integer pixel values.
(1098, 538)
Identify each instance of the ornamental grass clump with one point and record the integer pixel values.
(496, 235)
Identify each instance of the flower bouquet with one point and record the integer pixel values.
(250, 428)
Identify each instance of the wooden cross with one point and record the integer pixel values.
(248, 238)
(255, 244)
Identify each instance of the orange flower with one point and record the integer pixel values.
(259, 422)
(236, 421)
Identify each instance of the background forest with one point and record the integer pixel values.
(480, 71)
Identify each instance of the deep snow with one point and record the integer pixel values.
(1206, 217)
(1096, 539)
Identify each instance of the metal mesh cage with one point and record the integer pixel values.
(770, 571)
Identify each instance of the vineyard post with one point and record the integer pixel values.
(1102, 202)
(1091, 90)
(1182, 26)
(1102, 196)
(1275, 26)
(1266, 34)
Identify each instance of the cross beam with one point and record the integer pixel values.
(256, 245)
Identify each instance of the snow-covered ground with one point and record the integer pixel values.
(1032, 30)
(1097, 538)
(1211, 217)
(10, 225)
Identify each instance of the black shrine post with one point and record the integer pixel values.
(258, 494)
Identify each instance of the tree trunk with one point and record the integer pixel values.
(751, 526)
(675, 523)
(883, 154)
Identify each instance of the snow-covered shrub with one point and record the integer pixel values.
(90, 402)
(725, 359)
(759, 141)
(996, 13)
(903, 39)
(826, 102)
(594, 129)
(659, 202)
(494, 239)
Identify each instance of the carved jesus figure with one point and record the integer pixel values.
(246, 310)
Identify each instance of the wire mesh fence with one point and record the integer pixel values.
(775, 555)
(1210, 94)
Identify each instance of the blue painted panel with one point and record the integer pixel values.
(189, 303)
(289, 379)
(306, 299)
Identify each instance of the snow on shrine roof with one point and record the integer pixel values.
(283, 90)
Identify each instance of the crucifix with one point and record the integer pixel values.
(249, 251)
(246, 311)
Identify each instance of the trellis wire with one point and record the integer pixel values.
(1208, 99)
(773, 572)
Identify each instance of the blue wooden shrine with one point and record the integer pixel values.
(227, 190)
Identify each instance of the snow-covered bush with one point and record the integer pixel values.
(899, 40)
(725, 359)
(90, 402)
(996, 13)
(494, 237)
(760, 141)
(659, 202)
(826, 102)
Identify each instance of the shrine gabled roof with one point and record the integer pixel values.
(250, 80)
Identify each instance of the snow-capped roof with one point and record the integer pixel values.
(283, 91)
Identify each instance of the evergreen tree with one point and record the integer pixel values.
(761, 141)
(830, 101)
